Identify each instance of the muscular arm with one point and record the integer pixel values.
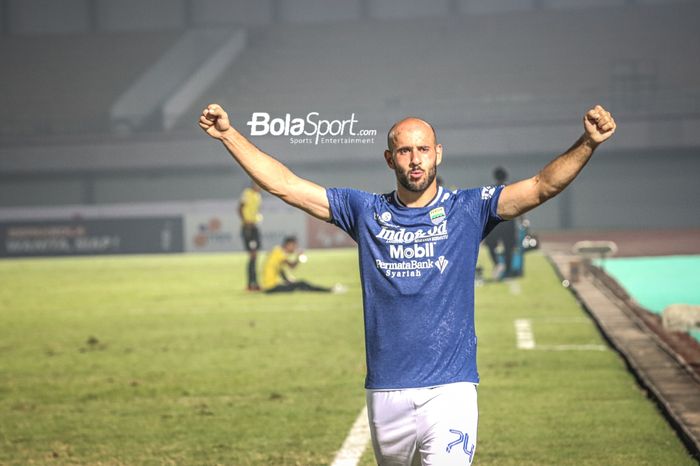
(269, 173)
(525, 195)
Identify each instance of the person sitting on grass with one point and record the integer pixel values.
(276, 276)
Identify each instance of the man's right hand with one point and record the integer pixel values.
(214, 121)
(266, 171)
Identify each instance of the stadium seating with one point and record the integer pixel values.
(470, 68)
(66, 83)
(467, 69)
(493, 84)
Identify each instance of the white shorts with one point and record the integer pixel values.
(430, 426)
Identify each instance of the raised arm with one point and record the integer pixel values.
(269, 173)
(525, 195)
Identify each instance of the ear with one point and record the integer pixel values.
(389, 158)
(438, 154)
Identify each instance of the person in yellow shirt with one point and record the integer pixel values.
(249, 212)
(276, 277)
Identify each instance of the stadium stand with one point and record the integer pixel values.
(536, 63)
(502, 88)
(63, 84)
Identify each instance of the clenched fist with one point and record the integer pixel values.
(214, 121)
(599, 124)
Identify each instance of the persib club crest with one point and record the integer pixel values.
(437, 215)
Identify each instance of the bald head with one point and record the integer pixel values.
(405, 125)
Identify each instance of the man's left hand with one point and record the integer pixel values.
(599, 124)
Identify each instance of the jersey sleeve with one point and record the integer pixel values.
(346, 207)
(489, 208)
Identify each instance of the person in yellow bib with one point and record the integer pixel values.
(276, 276)
(249, 212)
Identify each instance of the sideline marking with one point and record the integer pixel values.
(525, 340)
(355, 443)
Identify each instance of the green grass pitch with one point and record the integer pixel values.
(165, 360)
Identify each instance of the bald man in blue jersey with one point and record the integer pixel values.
(418, 247)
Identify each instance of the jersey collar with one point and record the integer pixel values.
(434, 201)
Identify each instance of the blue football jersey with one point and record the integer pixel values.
(417, 268)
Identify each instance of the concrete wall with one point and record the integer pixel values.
(646, 176)
(391, 9)
(47, 16)
(570, 4)
(71, 16)
(4, 18)
(33, 191)
(618, 189)
(319, 10)
(169, 186)
(237, 12)
(136, 15)
(495, 6)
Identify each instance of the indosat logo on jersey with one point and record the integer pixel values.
(412, 250)
(311, 129)
(401, 235)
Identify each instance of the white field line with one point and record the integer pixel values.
(355, 443)
(525, 340)
(563, 320)
(523, 334)
(572, 348)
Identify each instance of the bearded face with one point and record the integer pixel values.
(413, 154)
(406, 179)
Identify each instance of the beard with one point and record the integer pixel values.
(416, 186)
